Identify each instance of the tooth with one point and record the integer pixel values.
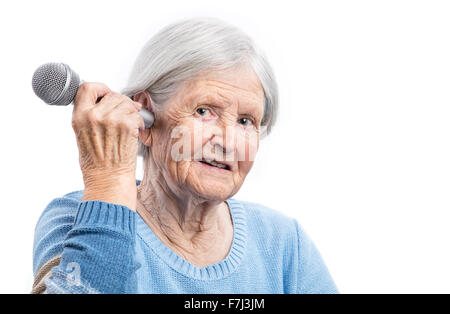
(215, 164)
(219, 165)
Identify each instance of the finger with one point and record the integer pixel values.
(135, 120)
(109, 102)
(136, 104)
(140, 122)
(121, 116)
(112, 101)
(88, 93)
(126, 107)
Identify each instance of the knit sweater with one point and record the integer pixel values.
(99, 247)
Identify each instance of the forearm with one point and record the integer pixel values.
(98, 254)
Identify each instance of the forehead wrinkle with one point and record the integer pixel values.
(209, 96)
(247, 101)
(221, 86)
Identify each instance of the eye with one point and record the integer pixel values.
(245, 121)
(203, 112)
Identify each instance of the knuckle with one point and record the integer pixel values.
(86, 87)
(111, 120)
(75, 122)
(93, 115)
(124, 125)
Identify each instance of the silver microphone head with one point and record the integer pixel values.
(55, 83)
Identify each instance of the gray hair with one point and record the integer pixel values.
(187, 48)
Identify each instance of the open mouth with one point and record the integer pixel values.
(215, 164)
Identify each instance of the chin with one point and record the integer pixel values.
(216, 195)
(212, 192)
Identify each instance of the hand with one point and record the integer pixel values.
(107, 137)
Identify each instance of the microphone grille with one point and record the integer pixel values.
(49, 82)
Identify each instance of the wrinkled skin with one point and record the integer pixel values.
(228, 96)
(182, 201)
(106, 132)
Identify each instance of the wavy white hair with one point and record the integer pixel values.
(184, 49)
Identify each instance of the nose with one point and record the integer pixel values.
(224, 140)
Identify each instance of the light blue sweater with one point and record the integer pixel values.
(99, 247)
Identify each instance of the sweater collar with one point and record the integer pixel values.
(211, 272)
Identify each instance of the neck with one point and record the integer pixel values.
(198, 230)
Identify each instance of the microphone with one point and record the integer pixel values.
(57, 84)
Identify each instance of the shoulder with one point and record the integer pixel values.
(274, 224)
(285, 240)
(60, 206)
(270, 223)
(264, 213)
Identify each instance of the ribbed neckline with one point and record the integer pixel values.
(211, 272)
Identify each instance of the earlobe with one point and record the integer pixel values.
(145, 136)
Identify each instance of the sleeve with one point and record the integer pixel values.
(313, 275)
(85, 247)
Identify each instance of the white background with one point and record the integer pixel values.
(360, 154)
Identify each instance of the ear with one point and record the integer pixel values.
(143, 97)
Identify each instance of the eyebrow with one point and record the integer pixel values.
(222, 102)
(217, 99)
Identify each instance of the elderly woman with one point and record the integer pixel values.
(213, 95)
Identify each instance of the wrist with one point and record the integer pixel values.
(119, 190)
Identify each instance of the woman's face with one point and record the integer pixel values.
(215, 117)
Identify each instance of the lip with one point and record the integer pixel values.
(216, 168)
